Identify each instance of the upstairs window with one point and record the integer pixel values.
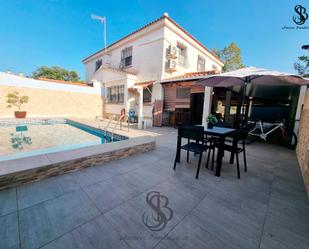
(98, 64)
(182, 57)
(126, 57)
(115, 94)
(200, 63)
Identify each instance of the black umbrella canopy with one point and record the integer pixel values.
(252, 75)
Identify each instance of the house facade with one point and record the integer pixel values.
(131, 69)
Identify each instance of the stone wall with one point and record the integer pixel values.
(303, 143)
(53, 103)
(101, 154)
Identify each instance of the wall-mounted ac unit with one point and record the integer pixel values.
(170, 66)
(171, 52)
(107, 59)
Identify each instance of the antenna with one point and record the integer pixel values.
(102, 19)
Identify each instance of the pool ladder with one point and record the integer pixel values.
(105, 129)
(114, 127)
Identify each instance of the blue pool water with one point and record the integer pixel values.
(34, 137)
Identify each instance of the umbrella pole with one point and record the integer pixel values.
(239, 106)
(242, 94)
(238, 113)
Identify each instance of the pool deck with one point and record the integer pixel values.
(104, 206)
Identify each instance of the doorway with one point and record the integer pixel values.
(196, 108)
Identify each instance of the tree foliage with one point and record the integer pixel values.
(231, 55)
(302, 65)
(55, 73)
(13, 99)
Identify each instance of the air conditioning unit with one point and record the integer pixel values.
(170, 66)
(107, 59)
(171, 52)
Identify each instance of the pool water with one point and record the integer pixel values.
(23, 139)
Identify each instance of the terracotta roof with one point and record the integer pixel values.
(189, 76)
(64, 82)
(145, 83)
(149, 24)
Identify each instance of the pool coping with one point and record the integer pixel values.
(33, 168)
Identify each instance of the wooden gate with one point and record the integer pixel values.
(157, 113)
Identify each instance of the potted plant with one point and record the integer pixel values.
(211, 120)
(14, 99)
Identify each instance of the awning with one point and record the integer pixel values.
(144, 84)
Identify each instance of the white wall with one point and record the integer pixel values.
(7, 79)
(193, 50)
(147, 55)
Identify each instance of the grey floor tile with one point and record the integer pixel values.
(88, 176)
(275, 236)
(34, 193)
(289, 188)
(287, 217)
(229, 224)
(168, 243)
(188, 184)
(125, 165)
(128, 221)
(9, 238)
(132, 226)
(109, 194)
(96, 234)
(146, 158)
(8, 201)
(46, 221)
(144, 178)
(189, 234)
(250, 207)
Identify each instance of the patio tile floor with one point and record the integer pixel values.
(105, 206)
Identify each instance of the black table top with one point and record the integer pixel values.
(219, 131)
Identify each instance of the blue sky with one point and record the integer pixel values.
(54, 32)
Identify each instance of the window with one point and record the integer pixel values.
(183, 92)
(126, 57)
(115, 94)
(200, 63)
(182, 57)
(98, 64)
(147, 94)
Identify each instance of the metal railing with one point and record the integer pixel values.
(113, 128)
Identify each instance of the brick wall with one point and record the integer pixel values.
(303, 142)
(48, 103)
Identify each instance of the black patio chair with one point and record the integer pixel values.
(231, 146)
(196, 143)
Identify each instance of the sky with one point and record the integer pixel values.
(34, 33)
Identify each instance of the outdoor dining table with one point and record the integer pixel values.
(221, 133)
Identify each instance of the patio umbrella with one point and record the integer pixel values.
(254, 75)
(251, 75)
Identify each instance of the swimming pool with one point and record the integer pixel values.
(31, 137)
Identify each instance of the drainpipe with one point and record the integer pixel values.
(140, 106)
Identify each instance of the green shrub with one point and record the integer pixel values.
(13, 99)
